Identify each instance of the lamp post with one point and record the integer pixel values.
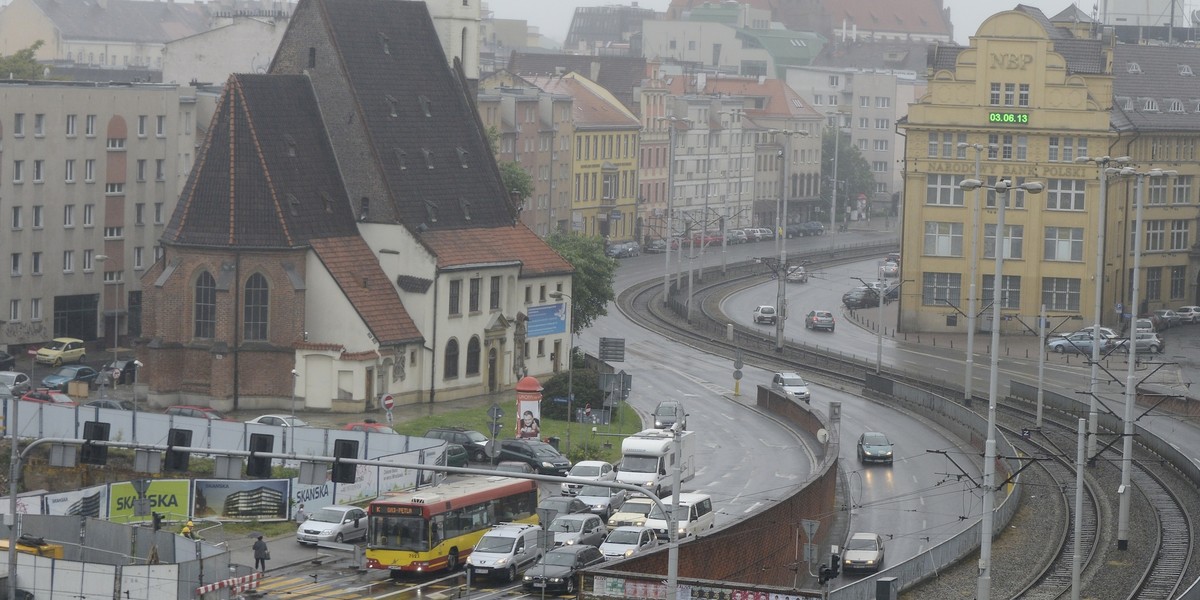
(1002, 187)
(837, 144)
(671, 121)
(781, 232)
(972, 309)
(1125, 492)
(557, 295)
(292, 423)
(879, 327)
(1101, 223)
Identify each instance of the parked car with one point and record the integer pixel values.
(370, 426)
(45, 396)
(1080, 342)
(126, 368)
(558, 570)
(861, 297)
(474, 441)
(1170, 317)
(60, 351)
(279, 421)
(63, 376)
(456, 455)
(1188, 314)
(595, 470)
(819, 319)
(874, 446)
(628, 540)
(764, 314)
(797, 274)
(623, 249)
(668, 413)
(337, 523)
(505, 551)
(541, 456)
(791, 386)
(8, 362)
(1105, 332)
(656, 247)
(863, 552)
(110, 403)
(1145, 326)
(892, 294)
(513, 466)
(812, 228)
(601, 500)
(552, 506)
(202, 412)
(1147, 342)
(735, 236)
(578, 528)
(632, 512)
(17, 383)
(756, 234)
(710, 238)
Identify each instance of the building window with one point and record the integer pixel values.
(1022, 147)
(1154, 283)
(116, 144)
(455, 297)
(89, 212)
(883, 124)
(1010, 291)
(113, 276)
(14, 310)
(69, 215)
(68, 261)
(864, 102)
(1014, 241)
(1023, 95)
(1010, 90)
(1179, 234)
(994, 95)
(160, 126)
(35, 263)
(18, 171)
(879, 166)
(69, 170)
(1178, 282)
(475, 288)
(941, 289)
(39, 125)
(160, 169)
(113, 233)
(943, 239)
(881, 145)
(89, 170)
(14, 264)
(1065, 149)
(39, 171)
(834, 82)
(16, 217)
(473, 357)
(139, 213)
(1183, 189)
(19, 125)
(205, 307)
(141, 169)
(1065, 194)
(494, 296)
(1060, 293)
(256, 302)
(943, 190)
(89, 126)
(141, 127)
(528, 294)
(450, 370)
(139, 256)
(35, 309)
(1156, 190)
(114, 188)
(71, 125)
(1064, 244)
(88, 257)
(1155, 235)
(38, 221)
(883, 102)
(158, 213)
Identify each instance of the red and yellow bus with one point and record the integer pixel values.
(437, 527)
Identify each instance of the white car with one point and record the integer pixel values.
(595, 470)
(1105, 332)
(864, 552)
(1144, 326)
(764, 314)
(1188, 314)
(337, 523)
(791, 386)
(279, 421)
(628, 540)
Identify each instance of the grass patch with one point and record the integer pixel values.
(584, 444)
(234, 529)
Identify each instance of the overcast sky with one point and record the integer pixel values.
(553, 17)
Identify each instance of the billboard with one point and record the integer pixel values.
(169, 496)
(88, 502)
(547, 319)
(236, 499)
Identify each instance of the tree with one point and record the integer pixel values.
(516, 179)
(853, 170)
(592, 285)
(23, 63)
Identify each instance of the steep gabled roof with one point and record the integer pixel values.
(593, 106)
(777, 98)
(266, 176)
(617, 74)
(1163, 90)
(353, 265)
(494, 246)
(422, 129)
(125, 20)
(918, 17)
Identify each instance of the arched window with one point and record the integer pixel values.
(473, 357)
(450, 371)
(205, 307)
(255, 303)
(462, 53)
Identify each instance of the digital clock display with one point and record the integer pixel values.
(1011, 118)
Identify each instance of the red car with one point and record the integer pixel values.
(370, 427)
(45, 396)
(202, 412)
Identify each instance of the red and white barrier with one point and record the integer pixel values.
(236, 585)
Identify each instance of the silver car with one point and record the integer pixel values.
(337, 523)
(791, 386)
(602, 500)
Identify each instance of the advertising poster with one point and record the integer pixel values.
(529, 416)
(312, 497)
(365, 486)
(28, 503)
(167, 496)
(252, 499)
(546, 319)
(88, 502)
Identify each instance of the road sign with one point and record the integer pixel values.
(810, 527)
(389, 402)
(737, 375)
(495, 412)
(1120, 308)
(612, 349)
(738, 357)
(389, 416)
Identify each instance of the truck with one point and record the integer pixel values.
(648, 459)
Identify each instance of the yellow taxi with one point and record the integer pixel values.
(61, 350)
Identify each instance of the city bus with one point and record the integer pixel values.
(436, 527)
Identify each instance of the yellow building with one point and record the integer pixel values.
(604, 172)
(1034, 97)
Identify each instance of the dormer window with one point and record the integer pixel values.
(291, 145)
(364, 209)
(431, 211)
(327, 201)
(462, 156)
(1150, 105)
(393, 104)
(425, 105)
(293, 205)
(465, 205)
(383, 42)
(1134, 68)
(401, 159)
(1185, 70)
(428, 157)
(1175, 106)
(1127, 104)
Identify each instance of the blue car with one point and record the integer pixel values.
(60, 379)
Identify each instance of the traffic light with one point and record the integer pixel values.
(823, 575)
(344, 472)
(92, 454)
(158, 519)
(260, 466)
(177, 460)
(835, 565)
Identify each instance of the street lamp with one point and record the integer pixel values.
(837, 143)
(671, 127)
(292, 423)
(879, 327)
(1002, 187)
(781, 232)
(1101, 223)
(968, 380)
(1131, 345)
(557, 295)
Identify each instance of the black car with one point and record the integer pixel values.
(126, 367)
(860, 298)
(473, 441)
(541, 456)
(811, 228)
(8, 362)
(559, 569)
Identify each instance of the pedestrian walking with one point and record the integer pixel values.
(301, 516)
(261, 555)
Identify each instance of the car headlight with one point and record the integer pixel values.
(528, 578)
(500, 562)
(547, 465)
(683, 529)
(597, 507)
(629, 552)
(639, 522)
(326, 531)
(556, 580)
(570, 542)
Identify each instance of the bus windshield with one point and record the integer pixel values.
(399, 533)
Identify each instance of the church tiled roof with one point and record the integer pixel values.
(125, 20)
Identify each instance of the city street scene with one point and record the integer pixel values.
(661, 300)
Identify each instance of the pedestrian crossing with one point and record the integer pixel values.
(329, 586)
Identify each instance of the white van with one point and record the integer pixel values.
(505, 550)
(694, 516)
